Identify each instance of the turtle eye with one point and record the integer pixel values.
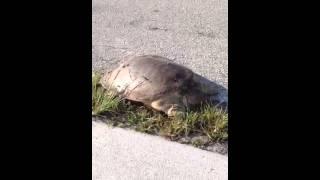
(179, 76)
(175, 79)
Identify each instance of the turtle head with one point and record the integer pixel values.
(202, 90)
(220, 99)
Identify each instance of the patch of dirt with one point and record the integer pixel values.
(207, 34)
(153, 28)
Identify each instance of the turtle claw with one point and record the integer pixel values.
(176, 111)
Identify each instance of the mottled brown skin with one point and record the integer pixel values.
(159, 83)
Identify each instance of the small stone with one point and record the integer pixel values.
(185, 140)
(221, 148)
(200, 139)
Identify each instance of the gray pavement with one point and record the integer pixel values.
(191, 32)
(125, 154)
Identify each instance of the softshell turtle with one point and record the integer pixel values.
(159, 83)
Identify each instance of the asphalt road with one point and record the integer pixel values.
(191, 32)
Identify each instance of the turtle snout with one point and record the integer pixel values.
(219, 100)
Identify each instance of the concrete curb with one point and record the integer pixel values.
(125, 154)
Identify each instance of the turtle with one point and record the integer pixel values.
(161, 84)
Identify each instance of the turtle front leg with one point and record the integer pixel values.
(172, 109)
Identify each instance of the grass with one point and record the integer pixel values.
(207, 121)
(101, 100)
